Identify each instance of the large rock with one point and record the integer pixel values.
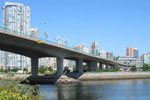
(66, 80)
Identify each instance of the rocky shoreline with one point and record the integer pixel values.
(14, 77)
(89, 76)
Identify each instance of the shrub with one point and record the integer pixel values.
(14, 69)
(14, 91)
(133, 69)
(145, 67)
(74, 68)
(25, 69)
(9, 70)
(50, 68)
(6, 70)
(42, 69)
(2, 70)
(116, 68)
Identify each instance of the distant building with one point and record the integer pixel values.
(94, 48)
(146, 58)
(82, 48)
(68, 63)
(132, 52)
(79, 47)
(34, 33)
(1, 66)
(130, 61)
(109, 55)
(44, 62)
(102, 54)
(16, 17)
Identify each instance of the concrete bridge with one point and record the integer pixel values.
(37, 48)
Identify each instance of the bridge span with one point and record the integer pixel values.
(36, 48)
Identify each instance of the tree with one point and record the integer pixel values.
(6, 70)
(66, 69)
(116, 68)
(25, 69)
(134, 69)
(14, 69)
(50, 68)
(9, 70)
(1, 70)
(145, 67)
(74, 68)
(42, 69)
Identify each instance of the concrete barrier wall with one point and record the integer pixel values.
(114, 76)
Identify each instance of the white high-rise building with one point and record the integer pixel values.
(16, 17)
(102, 54)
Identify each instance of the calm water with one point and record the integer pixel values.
(99, 90)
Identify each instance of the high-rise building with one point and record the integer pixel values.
(81, 47)
(109, 55)
(34, 33)
(102, 54)
(94, 48)
(16, 17)
(146, 58)
(132, 52)
(136, 53)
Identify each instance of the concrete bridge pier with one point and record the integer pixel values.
(106, 66)
(112, 66)
(34, 66)
(100, 66)
(92, 65)
(79, 65)
(60, 66)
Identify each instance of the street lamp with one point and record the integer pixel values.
(46, 35)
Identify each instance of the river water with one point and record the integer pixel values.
(99, 90)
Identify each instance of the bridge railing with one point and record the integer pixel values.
(48, 41)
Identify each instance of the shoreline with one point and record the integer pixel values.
(91, 76)
(88, 76)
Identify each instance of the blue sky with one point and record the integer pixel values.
(114, 24)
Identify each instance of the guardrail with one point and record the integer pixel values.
(51, 42)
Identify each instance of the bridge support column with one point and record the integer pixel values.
(79, 65)
(100, 66)
(59, 66)
(107, 66)
(112, 66)
(34, 66)
(92, 66)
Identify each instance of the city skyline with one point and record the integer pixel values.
(16, 17)
(85, 27)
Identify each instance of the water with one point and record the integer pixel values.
(99, 90)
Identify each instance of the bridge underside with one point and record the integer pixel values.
(30, 48)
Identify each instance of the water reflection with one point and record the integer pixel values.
(99, 90)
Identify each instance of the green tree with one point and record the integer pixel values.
(9, 70)
(145, 67)
(1, 70)
(42, 69)
(25, 70)
(66, 68)
(6, 70)
(14, 69)
(134, 69)
(116, 68)
(50, 68)
(74, 68)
